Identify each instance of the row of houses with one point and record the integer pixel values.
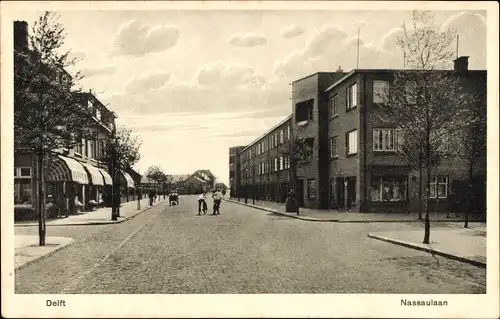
(354, 164)
(76, 178)
(202, 180)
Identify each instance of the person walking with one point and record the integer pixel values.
(202, 204)
(217, 196)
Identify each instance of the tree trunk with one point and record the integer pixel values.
(420, 186)
(40, 205)
(469, 196)
(427, 227)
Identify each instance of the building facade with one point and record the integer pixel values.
(233, 177)
(354, 164)
(77, 178)
(264, 167)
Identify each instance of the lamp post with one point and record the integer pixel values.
(114, 215)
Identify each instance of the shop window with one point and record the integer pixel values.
(311, 189)
(388, 189)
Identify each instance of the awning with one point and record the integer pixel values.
(107, 178)
(128, 178)
(95, 176)
(66, 169)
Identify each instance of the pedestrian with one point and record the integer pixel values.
(217, 196)
(202, 204)
(151, 197)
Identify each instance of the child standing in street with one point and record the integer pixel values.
(202, 204)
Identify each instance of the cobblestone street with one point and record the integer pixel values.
(171, 250)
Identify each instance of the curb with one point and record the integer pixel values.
(44, 256)
(429, 250)
(312, 219)
(91, 223)
(283, 214)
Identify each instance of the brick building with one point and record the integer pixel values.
(263, 170)
(354, 164)
(233, 168)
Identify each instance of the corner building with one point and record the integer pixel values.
(354, 164)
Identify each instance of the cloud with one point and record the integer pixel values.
(222, 74)
(291, 31)
(389, 40)
(471, 27)
(137, 39)
(330, 47)
(203, 99)
(147, 82)
(100, 70)
(247, 40)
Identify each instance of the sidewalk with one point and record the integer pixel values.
(466, 245)
(323, 215)
(27, 249)
(101, 216)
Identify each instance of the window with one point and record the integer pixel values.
(86, 148)
(388, 189)
(288, 132)
(276, 164)
(304, 111)
(311, 189)
(276, 138)
(384, 139)
(22, 185)
(281, 136)
(333, 106)
(352, 142)
(281, 163)
(98, 114)
(352, 94)
(411, 92)
(380, 92)
(438, 187)
(334, 147)
(309, 148)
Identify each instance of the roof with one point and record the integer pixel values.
(310, 75)
(267, 132)
(179, 178)
(355, 71)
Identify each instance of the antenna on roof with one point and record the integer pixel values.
(404, 59)
(357, 61)
(458, 37)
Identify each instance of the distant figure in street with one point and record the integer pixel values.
(217, 196)
(151, 197)
(202, 204)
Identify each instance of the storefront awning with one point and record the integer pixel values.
(64, 169)
(106, 176)
(128, 178)
(95, 177)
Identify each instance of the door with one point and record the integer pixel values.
(340, 193)
(300, 192)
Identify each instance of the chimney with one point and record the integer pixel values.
(20, 36)
(461, 64)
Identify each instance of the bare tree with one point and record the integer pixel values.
(48, 111)
(428, 105)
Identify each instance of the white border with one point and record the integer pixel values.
(287, 305)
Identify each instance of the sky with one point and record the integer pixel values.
(190, 84)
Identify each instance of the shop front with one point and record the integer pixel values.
(67, 182)
(95, 188)
(127, 187)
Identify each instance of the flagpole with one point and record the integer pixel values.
(357, 61)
